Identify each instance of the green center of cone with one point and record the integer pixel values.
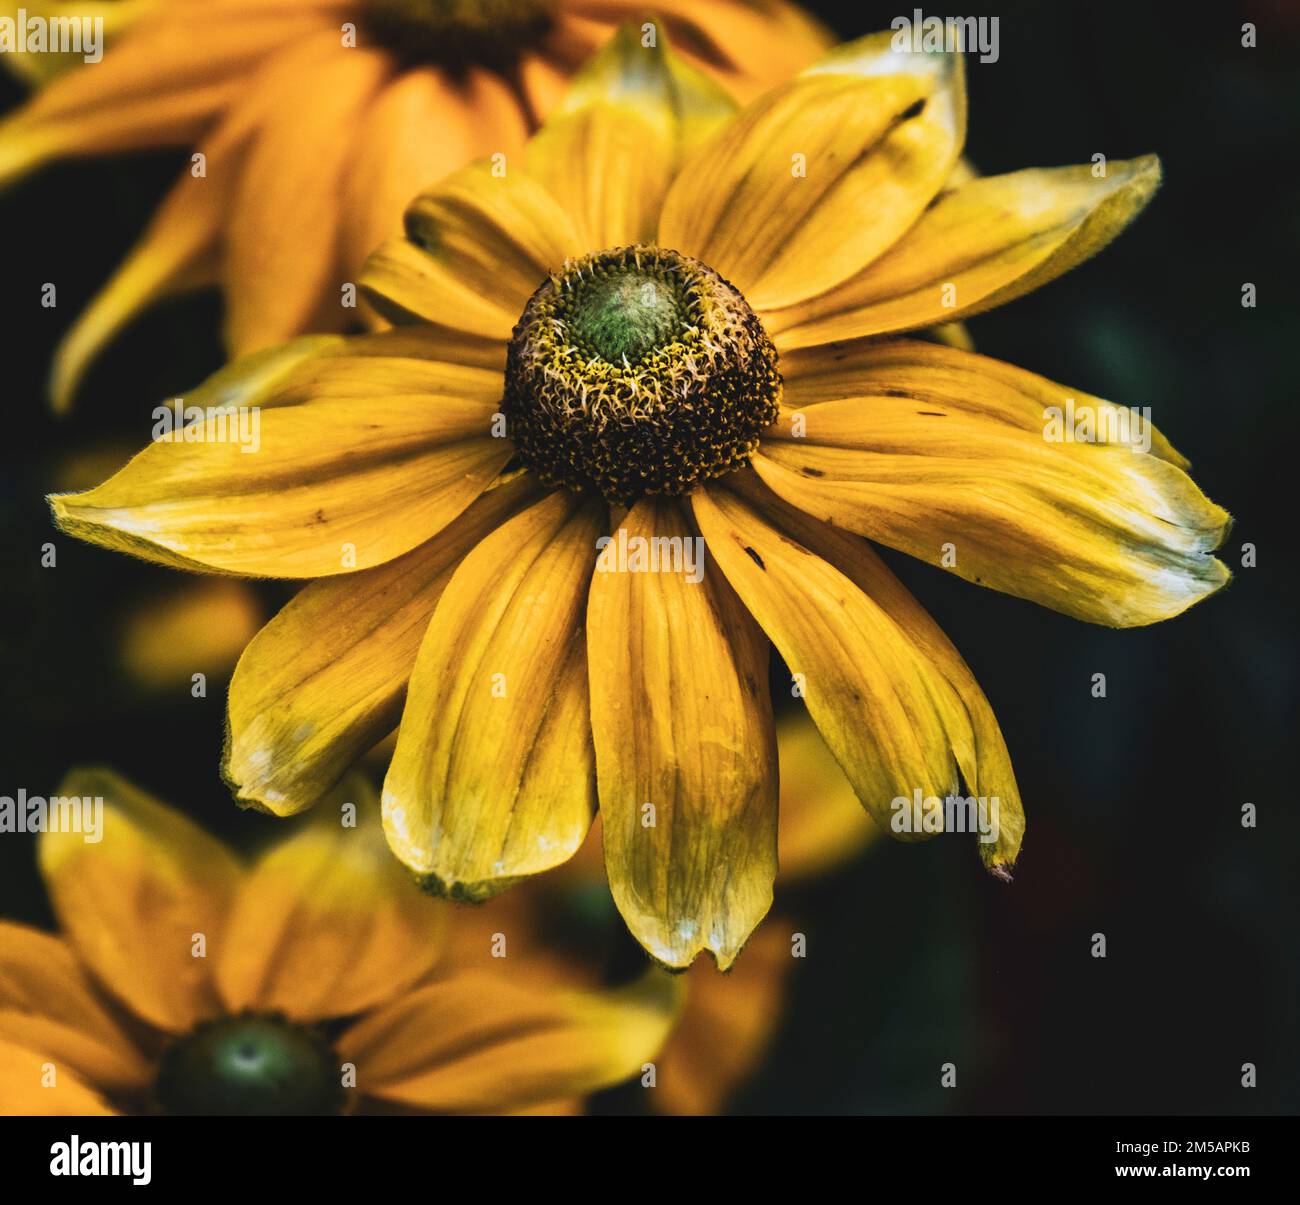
(626, 316)
(250, 1065)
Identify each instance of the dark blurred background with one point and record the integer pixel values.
(916, 957)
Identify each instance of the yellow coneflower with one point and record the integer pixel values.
(314, 122)
(309, 981)
(662, 347)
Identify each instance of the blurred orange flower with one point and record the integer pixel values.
(184, 981)
(314, 122)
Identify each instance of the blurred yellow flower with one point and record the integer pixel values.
(632, 426)
(314, 122)
(309, 981)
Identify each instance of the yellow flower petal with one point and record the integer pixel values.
(318, 495)
(181, 249)
(525, 918)
(683, 103)
(978, 246)
(25, 1089)
(47, 1004)
(176, 252)
(135, 903)
(492, 778)
(40, 66)
(608, 153)
(281, 256)
(479, 1042)
(110, 1068)
(970, 727)
(326, 923)
(609, 168)
(39, 973)
(160, 85)
(861, 680)
(258, 379)
(893, 700)
(446, 347)
(1008, 394)
(480, 244)
(685, 750)
(375, 367)
(952, 464)
(424, 125)
(815, 180)
(323, 682)
(574, 1106)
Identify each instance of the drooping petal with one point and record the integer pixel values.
(493, 775)
(609, 151)
(864, 684)
(47, 1003)
(479, 245)
(685, 747)
(326, 923)
(325, 486)
(815, 180)
(897, 718)
(480, 1042)
(975, 466)
(970, 737)
(323, 682)
(136, 903)
(281, 257)
(979, 245)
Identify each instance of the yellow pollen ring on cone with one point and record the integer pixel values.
(638, 371)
